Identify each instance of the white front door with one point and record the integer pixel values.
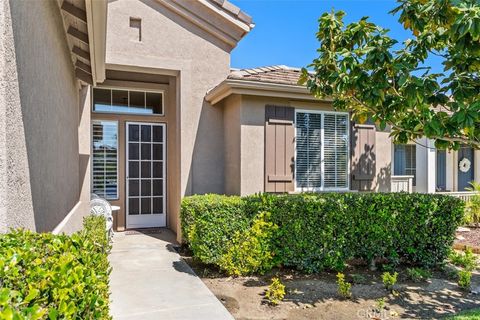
(145, 174)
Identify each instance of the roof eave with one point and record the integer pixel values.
(258, 88)
(97, 30)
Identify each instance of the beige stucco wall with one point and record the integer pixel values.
(232, 139)
(245, 172)
(171, 45)
(39, 158)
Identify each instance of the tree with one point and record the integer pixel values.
(375, 77)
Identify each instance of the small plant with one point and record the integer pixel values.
(344, 288)
(472, 208)
(418, 274)
(275, 292)
(389, 280)
(358, 278)
(466, 260)
(380, 304)
(464, 279)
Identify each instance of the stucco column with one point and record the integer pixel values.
(476, 166)
(425, 166)
(450, 174)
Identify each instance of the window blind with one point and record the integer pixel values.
(336, 151)
(404, 161)
(105, 159)
(321, 151)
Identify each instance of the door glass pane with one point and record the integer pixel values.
(133, 169)
(157, 151)
(146, 188)
(133, 132)
(157, 187)
(157, 134)
(133, 188)
(146, 206)
(146, 134)
(157, 169)
(146, 169)
(133, 152)
(133, 206)
(157, 205)
(146, 151)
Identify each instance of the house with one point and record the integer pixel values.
(136, 102)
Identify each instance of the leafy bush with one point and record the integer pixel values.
(275, 292)
(465, 259)
(464, 279)
(251, 251)
(418, 274)
(472, 209)
(344, 288)
(55, 276)
(389, 280)
(209, 223)
(326, 230)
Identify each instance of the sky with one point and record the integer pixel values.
(285, 30)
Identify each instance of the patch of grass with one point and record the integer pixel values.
(418, 274)
(466, 315)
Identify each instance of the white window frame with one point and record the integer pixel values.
(322, 151)
(128, 89)
(118, 156)
(393, 161)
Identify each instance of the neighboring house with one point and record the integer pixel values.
(135, 101)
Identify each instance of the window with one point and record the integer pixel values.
(321, 156)
(136, 25)
(105, 159)
(404, 161)
(127, 101)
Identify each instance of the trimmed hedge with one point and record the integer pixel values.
(46, 276)
(323, 231)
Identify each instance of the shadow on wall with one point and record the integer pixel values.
(49, 110)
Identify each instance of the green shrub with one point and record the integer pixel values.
(275, 291)
(472, 209)
(389, 280)
(418, 274)
(55, 276)
(464, 279)
(209, 223)
(325, 230)
(343, 287)
(465, 259)
(251, 251)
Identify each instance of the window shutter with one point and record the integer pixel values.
(279, 148)
(363, 157)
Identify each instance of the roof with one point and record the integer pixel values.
(279, 74)
(233, 10)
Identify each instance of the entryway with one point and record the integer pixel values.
(465, 168)
(145, 175)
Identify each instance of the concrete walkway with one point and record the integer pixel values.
(150, 281)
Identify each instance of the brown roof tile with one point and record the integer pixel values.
(271, 74)
(233, 10)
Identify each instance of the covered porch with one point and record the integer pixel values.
(420, 167)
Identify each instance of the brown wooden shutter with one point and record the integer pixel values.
(362, 157)
(279, 148)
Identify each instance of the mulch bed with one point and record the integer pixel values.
(469, 239)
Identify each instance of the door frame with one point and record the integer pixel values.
(164, 173)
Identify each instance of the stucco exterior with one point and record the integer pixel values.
(39, 144)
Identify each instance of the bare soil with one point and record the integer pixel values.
(316, 297)
(470, 238)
